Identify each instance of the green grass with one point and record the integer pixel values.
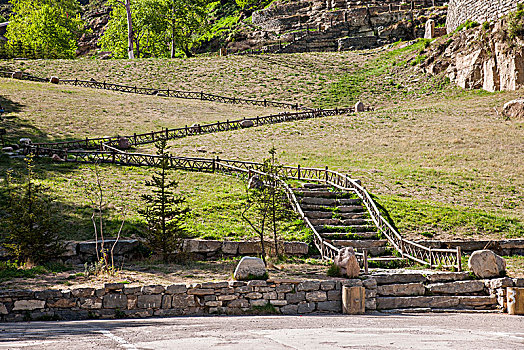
(10, 270)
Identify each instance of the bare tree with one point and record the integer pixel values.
(130, 33)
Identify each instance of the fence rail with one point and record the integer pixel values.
(190, 95)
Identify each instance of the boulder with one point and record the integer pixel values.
(124, 143)
(514, 109)
(56, 158)
(347, 261)
(359, 107)
(17, 75)
(255, 182)
(486, 264)
(25, 141)
(250, 267)
(246, 123)
(54, 80)
(7, 149)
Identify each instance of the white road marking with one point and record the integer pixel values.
(119, 340)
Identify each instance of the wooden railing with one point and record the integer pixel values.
(190, 95)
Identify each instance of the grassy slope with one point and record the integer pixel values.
(440, 159)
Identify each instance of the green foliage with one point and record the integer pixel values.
(485, 25)
(334, 271)
(10, 270)
(516, 22)
(157, 25)
(163, 212)
(267, 205)
(51, 25)
(268, 309)
(466, 25)
(28, 230)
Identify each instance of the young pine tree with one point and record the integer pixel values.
(164, 211)
(28, 231)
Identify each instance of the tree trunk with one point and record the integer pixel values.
(130, 33)
(173, 44)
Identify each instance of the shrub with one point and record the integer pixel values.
(516, 22)
(333, 271)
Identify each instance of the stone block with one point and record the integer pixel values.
(176, 289)
(334, 295)
(258, 302)
(113, 286)
(331, 306)
(271, 295)
(278, 302)
(458, 287)
(407, 289)
(254, 295)
(202, 246)
(48, 294)
(29, 305)
(230, 247)
(249, 248)
(354, 282)
(3, 309)
(153, 301)
(61, 303)
(308, 286)
(384, 303)
(316, 296)
(132, 301)
(257, 283)
(238, 303)
(371, 304)
(132, 290)
(305, 308)
(370, 283)
(213, 303)
(166, 301)
(227, 297)
(284, 288)
(399, 278)
(200, 291)
(234, 284)
(327, 285)
(296, 248)
(499, 283)
(289, 309)
(468, 301)
(182, 301)
(294, 298)
(515, 301)
(518, 282)
(437, 277)
(153, 289)
(250, 267)
(90, 303)
(353, 300)
(214, 285)
(83, 292)
(115, 301)
(70, 250)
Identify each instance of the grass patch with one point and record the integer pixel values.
(9, 270)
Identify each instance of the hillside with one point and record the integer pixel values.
(439, 158)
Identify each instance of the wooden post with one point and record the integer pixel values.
(515, 301)
(213, 166)
(202, 95)
(187, 132)
(298, 172)
(265, 103)
(134, 137)
(430, 259)
(366, 269)
(326, 174)
(459, 259)
(167, 133)
(353, 300)
(167, 92)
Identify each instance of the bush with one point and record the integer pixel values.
(467, 25)
(333, 271)
(516, 22)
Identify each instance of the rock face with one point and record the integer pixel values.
(494, 63)
(514, 109)
(250, 267)
(486, 264)
(347, 261)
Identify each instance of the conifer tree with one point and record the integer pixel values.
(164, 212)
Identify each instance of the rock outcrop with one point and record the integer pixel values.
(514, 110)
(480, 58)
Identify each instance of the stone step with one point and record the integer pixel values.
(324, 194)
(328, 215)
(329, 201)
(387, 262)
(339, 222)
(419, 310)
(314, 185)
(361, 244)
(344, 228)
(339, 209)
(459, 302)
(349, 236)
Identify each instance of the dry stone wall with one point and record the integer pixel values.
(459, 11)
(386, 292)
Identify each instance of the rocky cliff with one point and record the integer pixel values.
(486, 57)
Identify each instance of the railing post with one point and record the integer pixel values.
(134, 137)
(298, 172)
(326, 174)
(346, 181)
(213, 165)
(265, 103)
(459, 259)
(202, 95)
(167, 133)
(167, 92)
(365, 251)
(104, 84)
(187, 131)
(430, 259)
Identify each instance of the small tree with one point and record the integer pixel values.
(267, 205)
(51, 25)
(164, 211)
(28, 229)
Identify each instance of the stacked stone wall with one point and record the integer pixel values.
(459, 11)
(384, 292)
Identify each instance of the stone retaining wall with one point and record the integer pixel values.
(200, 249)
(459, 11)
(384, 291)
(500, 247)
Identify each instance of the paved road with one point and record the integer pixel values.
(416, 331)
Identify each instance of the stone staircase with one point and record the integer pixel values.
(342, 220)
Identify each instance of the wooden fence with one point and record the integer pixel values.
(189, 95)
